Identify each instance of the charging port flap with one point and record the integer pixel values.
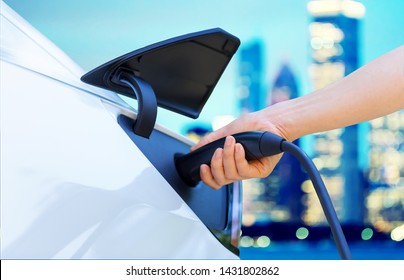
(182, 72)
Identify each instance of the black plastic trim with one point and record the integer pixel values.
(183, 71)
(147, 104)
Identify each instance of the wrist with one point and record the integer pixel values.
(290, 119)
(278, 119)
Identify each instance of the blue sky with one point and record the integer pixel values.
(93, 32)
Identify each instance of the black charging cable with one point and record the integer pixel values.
(258, 144)
(323, 196)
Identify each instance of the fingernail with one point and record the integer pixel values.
(218, 153)
(239, 148)
(203, 168)
(228, 141)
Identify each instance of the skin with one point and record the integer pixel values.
(372, 91)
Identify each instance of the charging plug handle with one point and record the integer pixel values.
(257, 144)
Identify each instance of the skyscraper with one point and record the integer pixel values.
(277, 198)
(334, 42)
(251, 69)
(251, 98)
(288, 175)
(385, 199)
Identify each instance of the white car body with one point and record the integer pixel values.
(73, 184)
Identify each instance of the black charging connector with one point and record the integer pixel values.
(256, 144)
(259, 144)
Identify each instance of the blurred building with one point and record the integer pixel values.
(362, 165)
(251, 70)
(385, 197)
(277, 198)
(288, 175)
(250, 96)
(334, 41)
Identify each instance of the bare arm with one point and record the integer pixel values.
(374, 90)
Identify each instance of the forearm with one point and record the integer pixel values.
(375, 90)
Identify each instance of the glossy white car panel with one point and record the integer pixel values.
(73, 185)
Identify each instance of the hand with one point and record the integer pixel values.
(229, 164)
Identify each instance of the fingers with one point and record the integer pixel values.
(229, 164)
(214, 176)
(207, 177)
(242, 165)
(225, 165)
(229, 160)
(222, 170)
